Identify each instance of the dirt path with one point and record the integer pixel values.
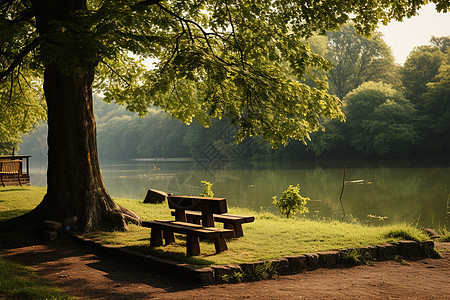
(88, 276)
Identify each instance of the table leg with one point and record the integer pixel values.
(192, 245)
(156, 239)
(168, 237)
(220, 244)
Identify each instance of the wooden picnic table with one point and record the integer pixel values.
(164, 229)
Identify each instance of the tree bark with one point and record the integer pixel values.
(74, 182)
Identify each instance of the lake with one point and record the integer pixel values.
(412, 192)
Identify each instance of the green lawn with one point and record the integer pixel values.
(18, 282)
(270, 236)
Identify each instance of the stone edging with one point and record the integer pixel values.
(285, 265)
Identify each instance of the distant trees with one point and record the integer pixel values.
(356, 59)
(420, 68)
(436, 108)
(381, 120)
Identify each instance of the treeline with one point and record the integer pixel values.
(391, 111)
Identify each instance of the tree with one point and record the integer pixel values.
(420, 68)
(21, 108)
(442, 42)
(239, 59)
(357, 59)
(381, 120)
(436, 103)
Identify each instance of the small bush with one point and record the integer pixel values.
(291, 202)
(252, 273)
(445, 236)
(234, 278)
(207, 190)
(357, 257)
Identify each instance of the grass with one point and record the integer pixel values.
(15, 201)
(268, 237)
(445, 235)
(18, 282)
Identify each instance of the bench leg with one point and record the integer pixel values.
(192, 245)
(236, 227)
(156, 237)
(220, 244)
(168, 237)
(1, 178)
(18, 178)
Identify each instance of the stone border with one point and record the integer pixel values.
(285, 265)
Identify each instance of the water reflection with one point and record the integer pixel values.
(413, 192)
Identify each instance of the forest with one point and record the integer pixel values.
(390, 110)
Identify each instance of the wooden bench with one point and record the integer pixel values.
(229, 221)
(165, 229)
(10, 167)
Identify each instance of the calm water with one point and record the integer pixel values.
(412, 192)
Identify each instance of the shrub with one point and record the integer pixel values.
(207, 190)
(291, 202)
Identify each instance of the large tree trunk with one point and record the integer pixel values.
(75, 185)
(74, 180)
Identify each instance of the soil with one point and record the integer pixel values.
(86, 275)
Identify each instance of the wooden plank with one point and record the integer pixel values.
(189, 228)
(220, 217)
(215, 205)
(155, 196)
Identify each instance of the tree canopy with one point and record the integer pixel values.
(421, 66)
(381, 119)
(239, 59)
(357, 59)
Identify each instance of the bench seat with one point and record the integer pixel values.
(164, 229)
(230, 221)
(10, 167)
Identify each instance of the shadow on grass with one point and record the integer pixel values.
(22, 189)
(9, 214)
(64, 256)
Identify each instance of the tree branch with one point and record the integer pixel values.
(187, 22)
(19, 58)
(114, 71)
(241, 54)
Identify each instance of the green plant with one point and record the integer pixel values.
(445, 235)
(429, 251)
(234, 277)
(402, 261)
(357, 257)
(257, 272)
(291, 202)
(207, 190)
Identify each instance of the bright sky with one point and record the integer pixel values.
(417, 31)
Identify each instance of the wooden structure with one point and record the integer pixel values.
(229, 221)
(15, 170)
(164, 229)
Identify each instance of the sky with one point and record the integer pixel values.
(402, 37)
